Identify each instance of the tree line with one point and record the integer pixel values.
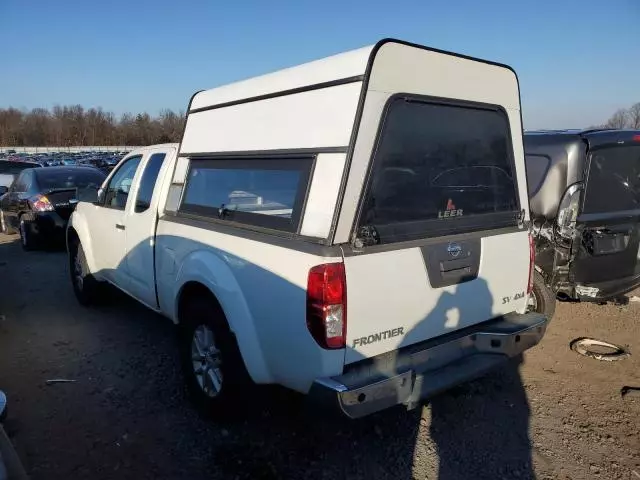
(74, 126)
(625, 118)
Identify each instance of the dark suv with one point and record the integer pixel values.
(584, 195)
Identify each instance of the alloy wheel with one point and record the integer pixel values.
(207, 361)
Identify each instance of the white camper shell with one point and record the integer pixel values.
(361, 220)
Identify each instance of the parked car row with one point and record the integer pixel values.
(103, 160)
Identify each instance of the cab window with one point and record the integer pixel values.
(148, 181)
(117, 191)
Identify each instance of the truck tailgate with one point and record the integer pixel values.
(404, 296)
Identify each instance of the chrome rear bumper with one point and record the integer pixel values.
(416, 372)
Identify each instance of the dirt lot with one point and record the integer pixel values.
(556, 415)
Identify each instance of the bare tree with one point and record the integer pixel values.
(73, 125)
(634, 116)
(620, 119)
(11, 127)
(35, 127)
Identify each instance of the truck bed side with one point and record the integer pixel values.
(264, 309)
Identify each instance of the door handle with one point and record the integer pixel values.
(119, 226)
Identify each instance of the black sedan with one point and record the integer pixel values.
(38, 204)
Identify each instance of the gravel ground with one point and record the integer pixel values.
(554, 415)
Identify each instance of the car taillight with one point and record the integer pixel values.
(327, 305)
(532, 263)
(40, 203)
(568, 211)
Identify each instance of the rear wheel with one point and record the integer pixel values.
(85, 286)
(27, 238)
(542, 299)
(214, 371)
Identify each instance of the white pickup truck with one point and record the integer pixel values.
(355, 229)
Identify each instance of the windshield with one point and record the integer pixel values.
(613, 183)
(69, 178)
(436, 167)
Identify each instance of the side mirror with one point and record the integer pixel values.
(3, 190)
(141, 206)
(100, 199)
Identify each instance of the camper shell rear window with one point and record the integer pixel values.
(440, 167)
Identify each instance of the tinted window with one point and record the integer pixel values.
(265, 192)
(148, 181)
(537, 166)
(613, 183)
(53, 178)
(117, 191)
(436, 167)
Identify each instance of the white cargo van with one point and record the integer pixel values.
(355, 229)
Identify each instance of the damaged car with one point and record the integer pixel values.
(584, 194)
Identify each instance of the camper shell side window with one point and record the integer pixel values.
(262, 192)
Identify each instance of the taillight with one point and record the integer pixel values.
(327, 305)
(532, 263)
(40, 203)
(568, 211)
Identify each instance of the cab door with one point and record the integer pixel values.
(107, 223)
(140, 223)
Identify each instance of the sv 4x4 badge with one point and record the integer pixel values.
(517, 296)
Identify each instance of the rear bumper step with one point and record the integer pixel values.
(417, 372)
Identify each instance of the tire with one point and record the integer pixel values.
(542, 299)
(85, 286)
(27, 238)
(220, 391)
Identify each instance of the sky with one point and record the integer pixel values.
(577, 60)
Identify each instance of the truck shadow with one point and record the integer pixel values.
(477, 430)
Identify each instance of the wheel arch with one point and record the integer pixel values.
(77, 230)
(71, 237)
(242, 328)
